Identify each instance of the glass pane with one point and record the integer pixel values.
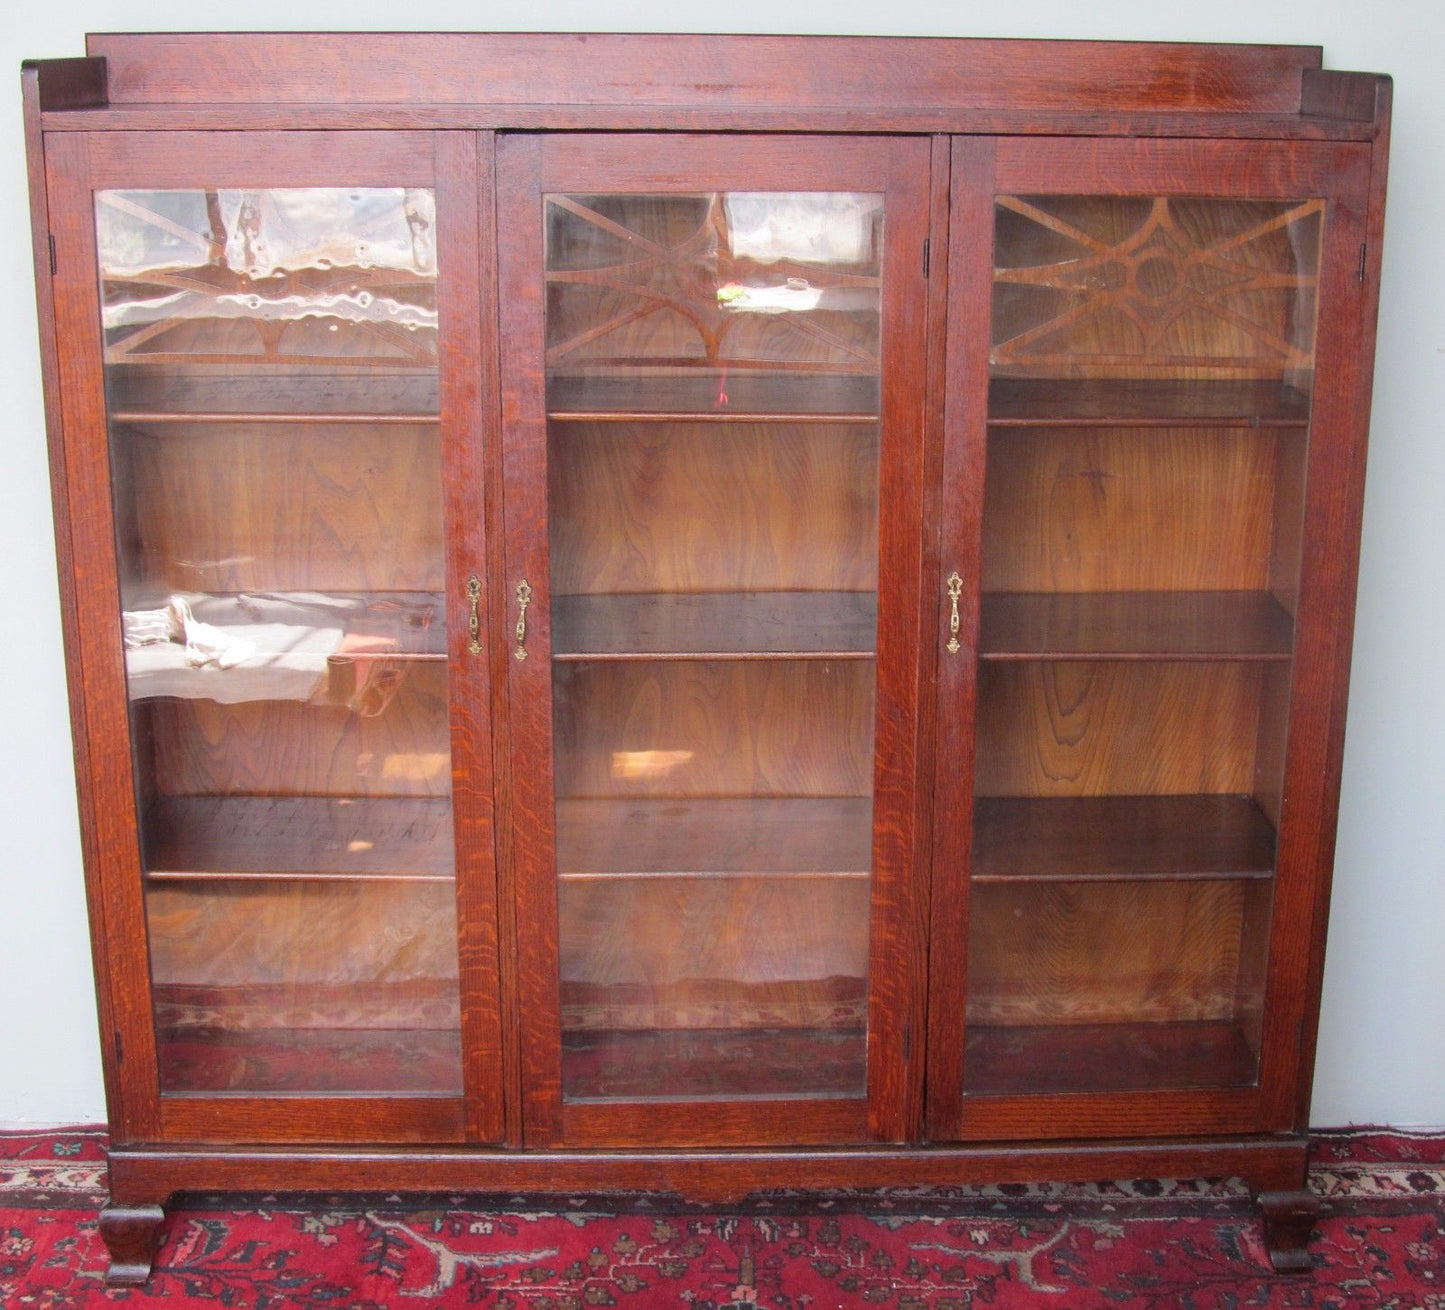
(712, 392)
(1148, 421)
(271, 377)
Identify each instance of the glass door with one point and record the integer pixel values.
(1137, 625)
(287, 607)
(700, 617)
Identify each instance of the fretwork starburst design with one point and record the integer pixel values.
(1167, 294)
(658, 304)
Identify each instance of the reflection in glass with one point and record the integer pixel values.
(270, 361)
(712, 390)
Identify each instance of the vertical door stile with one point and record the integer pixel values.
(970, 284)
(524, 454)
(468, 405)
(107, 801)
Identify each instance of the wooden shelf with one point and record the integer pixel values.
(716, 625)
(268, 838)
(715, 838)
(150, 418)
(271, 392)
(310, 1061)
(1144, 402)
(1120, 838)
(714, 1063)
(1134, 625)
(783, 397)
(1084, 1058)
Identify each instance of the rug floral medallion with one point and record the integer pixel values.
(1193, 1245)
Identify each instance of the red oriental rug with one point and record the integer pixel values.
(1191, 1245)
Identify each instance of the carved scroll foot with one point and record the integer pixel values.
(1289, 1222)
(130, 1233)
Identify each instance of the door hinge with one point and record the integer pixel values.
(1362, 261)
(52, 254)
(925, 255)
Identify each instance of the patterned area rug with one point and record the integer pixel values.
(1192, 1245)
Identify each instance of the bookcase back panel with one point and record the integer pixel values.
(1129, 509)
(1083, 728)
(713, 507)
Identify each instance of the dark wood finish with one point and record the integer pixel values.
(146, 418)
(964, 461)
(261, 159)
(225, 1120)
(775, 507)
(1289, 1223)
(1052, 729)
(1141, 625)
(1233, 169)
(1175, 533)
(714, 1065)
(110, 1012)
(313, 1062)
(1333, 501)
(1141, 124)
(131, 1234)
(915, 930)
(467, 351)
(761, 399)
(688, 71)
(1246, 991)
(370, 499)
(530, 867)
(1144, 402)
(1346, 525)
(1107, 951)
(79, 433)
(288, 837)
(1095, 1058)
(279, 394)
(753, 950)
(785, 759)
(1064, 839)
(790, 836)
(62, 84)
(719, 625)
(710, 728)
(125, 161)
(1267, 1163)
(1079, 509)
(807, 1121)
(1330, 93)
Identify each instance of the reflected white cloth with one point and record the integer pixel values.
(240, 648)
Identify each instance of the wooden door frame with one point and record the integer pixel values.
(77, 165)
(1208, 168)
(530, 166)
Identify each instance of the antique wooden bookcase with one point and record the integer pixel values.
(696, 612)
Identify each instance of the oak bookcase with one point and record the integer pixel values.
(694, 613)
